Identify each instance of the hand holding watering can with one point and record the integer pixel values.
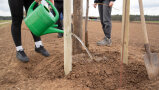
(40, 22)
(38, 0)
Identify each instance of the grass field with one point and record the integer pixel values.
(148, 21)
(152, 21)
(3, 21)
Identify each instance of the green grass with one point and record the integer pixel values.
(152, 21)
(3, 21)
(148, 21)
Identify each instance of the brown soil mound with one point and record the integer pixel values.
(103, 73)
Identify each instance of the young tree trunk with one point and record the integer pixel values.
(86, 24)
(77, 25)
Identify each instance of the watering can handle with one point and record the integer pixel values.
(54, 9)
(30, 10)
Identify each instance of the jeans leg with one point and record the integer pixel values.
(107, 19)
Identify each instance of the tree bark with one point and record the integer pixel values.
(86, 24)
(77, 25)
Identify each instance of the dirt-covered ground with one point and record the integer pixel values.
(104, 73)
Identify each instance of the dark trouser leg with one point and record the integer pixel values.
(59, 6)
(100, 8)
(107, 20)
(27, 3)
(16, 8)
(105, 16)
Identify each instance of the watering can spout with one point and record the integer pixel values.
(52, 30)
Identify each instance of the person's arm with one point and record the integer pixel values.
(52, 1)
(95, 3)
(111, 3)
(37, 0)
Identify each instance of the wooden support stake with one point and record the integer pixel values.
(125, 31)
(86, 24)
(67, 37)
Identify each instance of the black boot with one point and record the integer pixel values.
(22, 56)
(60, 35)
(42, 50)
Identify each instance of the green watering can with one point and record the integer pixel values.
(40, 22)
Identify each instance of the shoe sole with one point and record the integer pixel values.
(104, 45)
(43, 54)
(22, 60)
(109, 45)
(59, 36)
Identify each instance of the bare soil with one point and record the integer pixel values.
(104, 73)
